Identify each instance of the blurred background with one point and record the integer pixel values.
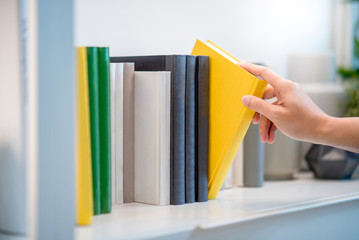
(258, 30)
(302, 40)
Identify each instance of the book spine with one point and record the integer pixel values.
(151, 139)
(105, 128)
(118, 134)
(190, 128)
(177, 66)
(228, 181)
(92, 56)
(84, 176)
(128, 132)
(146, 138)
(113, 129)
(165, 139)
(238, 167)
(202, 81)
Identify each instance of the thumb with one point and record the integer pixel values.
(258, 105)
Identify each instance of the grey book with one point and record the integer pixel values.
(253, 158)
(128, 132)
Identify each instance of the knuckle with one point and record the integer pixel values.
(265, 71)
(277, 112)
(290, 85)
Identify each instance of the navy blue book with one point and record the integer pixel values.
(191, 141)
(202, 117)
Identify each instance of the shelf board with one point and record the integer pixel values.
(232, 206)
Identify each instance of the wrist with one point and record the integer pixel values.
(324, 130)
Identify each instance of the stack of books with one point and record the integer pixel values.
(158, 129)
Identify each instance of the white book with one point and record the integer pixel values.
(113, 120)
(116, 75)
(228, 181)
(238, 168)
(234, 177)
(152, 137)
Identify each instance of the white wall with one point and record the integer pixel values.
(257, 30)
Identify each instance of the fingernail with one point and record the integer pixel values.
(245, 100)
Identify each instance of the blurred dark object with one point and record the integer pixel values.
(331, 163)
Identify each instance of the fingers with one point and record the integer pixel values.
(271, 133)
(258, 105)
(269, 93)
(267, 130)
(256, 118)
(264, 128)
(265, 73)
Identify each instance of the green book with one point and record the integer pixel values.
(93, 75)
(105, 128)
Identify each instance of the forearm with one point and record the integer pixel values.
(340, 132)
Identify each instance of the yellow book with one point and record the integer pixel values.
(229, 119)
(84, 196)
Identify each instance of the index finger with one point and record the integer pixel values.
(265, 73)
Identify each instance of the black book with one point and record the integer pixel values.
(191, 129)
(177, 65)
(202, 104)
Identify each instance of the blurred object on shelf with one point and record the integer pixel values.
(281, 159)
(253, 158)
(331, 163)
(312, 68)
(355, 174)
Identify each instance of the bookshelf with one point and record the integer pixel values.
(280, 210)
(50, 198)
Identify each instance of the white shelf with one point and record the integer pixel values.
(234, 206)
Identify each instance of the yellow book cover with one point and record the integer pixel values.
(84, 196)
(229, 119)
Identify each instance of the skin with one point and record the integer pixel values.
(296, 115)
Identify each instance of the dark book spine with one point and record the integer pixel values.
(144, 63)
(190, 128)
(202, 81)
(92, 58)
(177, 66)
(105, 128)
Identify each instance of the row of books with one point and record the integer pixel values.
(167, 127)
(148, 143)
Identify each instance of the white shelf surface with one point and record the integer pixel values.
(232, 206)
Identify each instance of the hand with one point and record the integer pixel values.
(293, 113)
